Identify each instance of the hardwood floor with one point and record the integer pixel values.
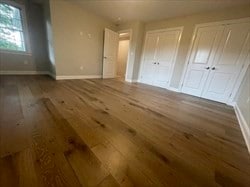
(111, 133)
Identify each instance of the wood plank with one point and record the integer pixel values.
(113, 133)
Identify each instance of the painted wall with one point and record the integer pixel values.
(49, 37)
(78, 39)
(38, 59)
(243, 97)
(122, 57)
(189, 23)
(136, 40)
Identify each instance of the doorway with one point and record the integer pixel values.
(123, 54)
(116, 52)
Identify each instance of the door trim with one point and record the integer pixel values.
(197, 26)
(130, 31)
(175, 57)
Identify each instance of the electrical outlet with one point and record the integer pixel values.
(81, 68)
(248, 100)
(25, 62)
(81, 33)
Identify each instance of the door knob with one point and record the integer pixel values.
(207, 68)
(154, 62)
(213, 68)
(105, 57)
(158, 63)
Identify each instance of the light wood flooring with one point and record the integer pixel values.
(110, 133)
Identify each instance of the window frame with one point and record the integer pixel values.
(22, 9)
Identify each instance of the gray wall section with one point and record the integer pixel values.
(38, 59)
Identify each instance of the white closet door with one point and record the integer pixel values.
(111, 42)
(201, 58)
(232, 52)
(166, 52)
(149, 61)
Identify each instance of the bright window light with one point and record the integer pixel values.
(11, 28)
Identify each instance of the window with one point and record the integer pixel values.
(11, 28)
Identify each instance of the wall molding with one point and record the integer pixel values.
(243, 125)
(68, 77)
(131, 80)
(173, 89)
(56, 77)
(24, 72)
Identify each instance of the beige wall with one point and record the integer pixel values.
(38, 60)
(122, 57)
(189, 23)
(243, 97)
(78, 39)
(136, 40)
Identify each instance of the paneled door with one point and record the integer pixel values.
(149, 63)
(111, 42)
(233, 50)
(165, 57)
(159, 56)
(201, 59)
(217, 57)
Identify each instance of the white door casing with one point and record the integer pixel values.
(159, 56)
(111, 42)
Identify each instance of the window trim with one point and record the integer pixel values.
(22, 9)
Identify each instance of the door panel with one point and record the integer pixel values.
(111, 42)
(150, 46)
(201, 58)
(166, 52)
(234, 48)
(149, 64)
(162, 76)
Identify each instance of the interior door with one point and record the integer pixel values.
(231, 55)
(202, 55)
(111, 42)
(165, 57)
(149, 60)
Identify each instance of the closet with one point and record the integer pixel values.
(217, 56)
(159, 56)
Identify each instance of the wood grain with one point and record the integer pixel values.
(112, 133)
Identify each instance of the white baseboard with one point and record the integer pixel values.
(24, 72)
(173, 89)
(64, 77)
(67, 77)
(131, 80)
(243, 125)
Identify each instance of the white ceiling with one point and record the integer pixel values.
(151, 10)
